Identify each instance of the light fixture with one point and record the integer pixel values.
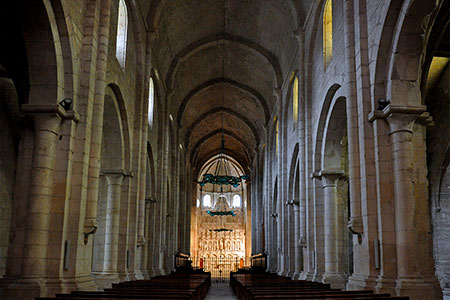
(66, 103)
(221, 229)
(221, 213)
(382, 103)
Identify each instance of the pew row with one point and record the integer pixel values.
(175, 286)
(264, 286)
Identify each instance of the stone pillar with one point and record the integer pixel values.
(143, 264)
(333, 248)
(355, 224)
(272, 240)
(412, 277)
(114, 181)
(385, 208)
(47, 121)
(298, 251)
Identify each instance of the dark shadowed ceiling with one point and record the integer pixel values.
(223, 59)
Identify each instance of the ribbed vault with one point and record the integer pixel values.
(222, 60)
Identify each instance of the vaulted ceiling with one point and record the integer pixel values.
(222, 60)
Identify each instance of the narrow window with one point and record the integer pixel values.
(151, 101)
(295, 100)
(122, 29)
(327, 34)
(236, 201)
(207, 201)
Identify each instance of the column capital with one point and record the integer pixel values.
(122, 172)
(355, 226)
(50, 110)
(399, 122)
(329, 177)
(302, 242)
(140, 241)
(150, 200)
(293, 201)
(114, 177)
(401, 118)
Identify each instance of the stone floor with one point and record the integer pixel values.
(220, 291)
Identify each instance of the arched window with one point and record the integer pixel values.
(122, 29)
(207, 201)
(327, 33)
(236, 201)
(295, 100)
(151, 101)
(198, 202)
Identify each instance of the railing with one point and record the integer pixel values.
(182, 261)
(220, 267)
(259, 261)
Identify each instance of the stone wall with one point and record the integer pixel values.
(90, 194)
(8, 154)
(438, 165)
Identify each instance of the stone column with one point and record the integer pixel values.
(143, 264)
(114, 181)
(355, 223)
(291, 241)
(333, 272)
(47, 121)
(298, 251)
(411, 274)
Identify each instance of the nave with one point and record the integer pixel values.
(314, 133)
(245, 284)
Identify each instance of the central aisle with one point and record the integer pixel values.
(220, 291)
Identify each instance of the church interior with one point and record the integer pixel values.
(313, 133)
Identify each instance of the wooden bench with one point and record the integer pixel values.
(174, 286)
(264, 286)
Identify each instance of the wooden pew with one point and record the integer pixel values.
(171, 287)
(264, 286)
